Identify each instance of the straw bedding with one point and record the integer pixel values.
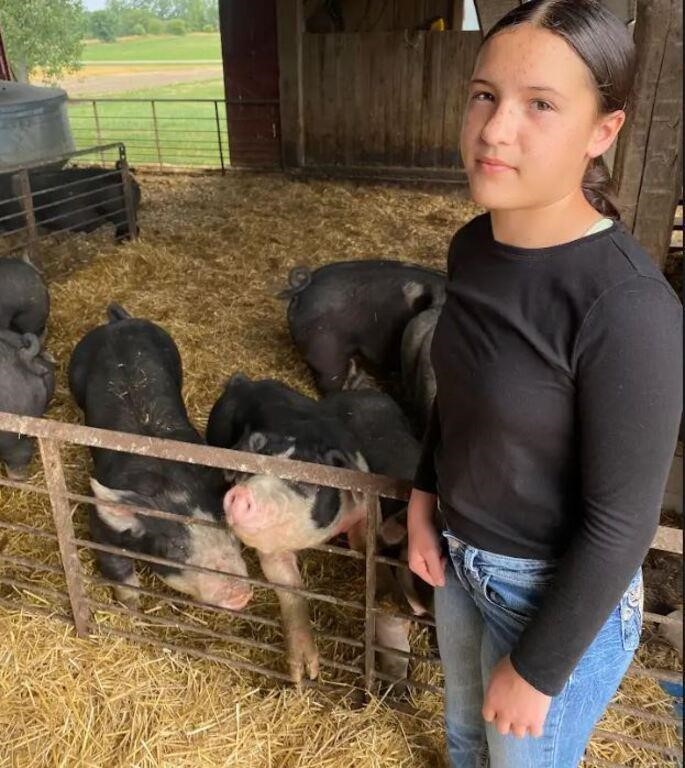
(212, 255)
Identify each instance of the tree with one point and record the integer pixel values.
(45, 34)
(176, 27)
(103, 25)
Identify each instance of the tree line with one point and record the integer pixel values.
(152, 17)
(49, 34)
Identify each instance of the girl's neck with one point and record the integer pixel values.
(560, 222)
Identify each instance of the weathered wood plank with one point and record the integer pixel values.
(653, 26)
(290, 25)
(662, 172)
(433, 99)
(329, 86)
(414, 84)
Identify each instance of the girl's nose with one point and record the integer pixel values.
(500, 127)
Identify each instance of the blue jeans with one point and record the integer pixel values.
(484, 606)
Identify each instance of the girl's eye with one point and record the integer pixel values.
(482, 96)
(542, 106)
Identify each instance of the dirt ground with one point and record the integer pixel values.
(100, 80)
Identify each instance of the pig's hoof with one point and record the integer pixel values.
(304, 658)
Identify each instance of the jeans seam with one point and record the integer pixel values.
(557, 730)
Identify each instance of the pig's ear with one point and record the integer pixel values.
(393, 531)
(115, 515)
(256, 442)
(338, 458)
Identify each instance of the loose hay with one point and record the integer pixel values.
(213, 253)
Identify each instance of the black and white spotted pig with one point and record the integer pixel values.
(27, 383)
(357, 309)
(279, 517)
(126, 376)
(389, 447)
(24, 298)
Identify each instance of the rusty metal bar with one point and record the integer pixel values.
(35, 610)
(98, 133)
(422, 620)
(68, 184)
(183, 625)
(61, 158)
(156, 129)
(128, 198)
(661, 749)
(54, 479)
(20, 486)
(223, 458)
(409, 656)
(201, 569)
(27, 586)
(208, 656)
(645, 715)
(70, 199)
(24, 184)
(241, 615)
(24, 562)
(21, 528)
(189, 627)
(218, 136)
(372, 507)
(666, 675)
(426, 687)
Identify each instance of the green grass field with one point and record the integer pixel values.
(196, 46)
(186, 131)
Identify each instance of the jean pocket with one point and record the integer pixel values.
(631, 608)
(519, 601)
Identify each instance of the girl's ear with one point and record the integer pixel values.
(605, 133)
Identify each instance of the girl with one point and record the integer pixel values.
(558, 360)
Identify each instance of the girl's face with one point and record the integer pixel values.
(532, 123)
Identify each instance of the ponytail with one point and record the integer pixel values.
(599, 190)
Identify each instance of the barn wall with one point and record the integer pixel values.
(385, 98)
(379, 15)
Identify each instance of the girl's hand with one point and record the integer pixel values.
(425, 559)
(513, 704)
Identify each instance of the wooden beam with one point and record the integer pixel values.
(648, 164)
(457, 15)
(489, 12)
(290, 24)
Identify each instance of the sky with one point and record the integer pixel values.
(470, 21)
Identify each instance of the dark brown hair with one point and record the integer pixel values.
(606, 47)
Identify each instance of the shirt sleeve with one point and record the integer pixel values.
(425, 478)
(628, 363)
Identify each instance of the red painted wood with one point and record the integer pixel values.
(249, 45)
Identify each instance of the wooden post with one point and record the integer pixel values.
(21, 186)
(489, 12)
(648, 164)
(57, 488)
(290, 25)
(457, 20)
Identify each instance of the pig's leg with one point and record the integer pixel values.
(281, 568)
(121, 570)
(393, 632)
(330, 362)
(16, 451)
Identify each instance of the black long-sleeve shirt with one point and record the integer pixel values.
(559, 393)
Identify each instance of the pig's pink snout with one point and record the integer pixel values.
(239, 505)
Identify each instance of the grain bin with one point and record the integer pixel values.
(34, 124)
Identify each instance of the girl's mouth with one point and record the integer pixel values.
(490, 165)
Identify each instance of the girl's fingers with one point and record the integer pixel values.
(520, 731)
(488, 713)
(418, 566)
(436, 567)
